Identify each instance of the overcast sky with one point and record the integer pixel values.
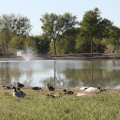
(33, 9)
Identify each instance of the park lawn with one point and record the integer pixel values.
(36, 106)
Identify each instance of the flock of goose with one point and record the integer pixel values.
(92, 89)
(18, 93)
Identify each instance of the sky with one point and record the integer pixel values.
(34, 9)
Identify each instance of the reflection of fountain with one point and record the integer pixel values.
(28, 54)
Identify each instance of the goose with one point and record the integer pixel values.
(57, 95)
(53, 95)
(19, 85)
(92, 89)
(102, 90)
(17, 93)
(82, 94)
(49, 95)
(37, 88)
(67, 92)
(6, 87)
(50, 88)
(18, 89)
(83, 88)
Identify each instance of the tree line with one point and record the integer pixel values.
(62, 34)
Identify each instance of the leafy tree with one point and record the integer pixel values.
(17, 42)
(55, 25)
(30, 43)
(82, 45)
(93, 26)
(10, 26)
(42, 44)
(51, 51)
(114, 35)
(67, 43)
(82, 42)
(5, 38)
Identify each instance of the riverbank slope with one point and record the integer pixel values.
(66, 57)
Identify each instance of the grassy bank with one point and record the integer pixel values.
(36, 106)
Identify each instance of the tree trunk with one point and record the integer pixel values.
(54, 47)
(91, 45)
(4, 48)
(114, 48)
(97, 47)
(118, 48)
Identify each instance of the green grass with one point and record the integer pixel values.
(35, 106)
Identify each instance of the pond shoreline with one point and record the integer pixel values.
(110, 56)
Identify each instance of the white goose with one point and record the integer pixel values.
(92, 89)
(83, 88)
(82, 94)
(17, 93)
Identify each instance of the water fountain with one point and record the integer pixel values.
(28, 54)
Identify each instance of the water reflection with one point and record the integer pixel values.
(61, 73)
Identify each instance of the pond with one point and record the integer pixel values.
(62, 73)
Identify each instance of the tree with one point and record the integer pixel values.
(5, 38)
(93, 25)
(82, 44)
(114, 35)
(68, 41)
(17, 42)
(55, 25)
(10, 26)
(42, 44)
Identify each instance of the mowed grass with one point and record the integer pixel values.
(36, 106)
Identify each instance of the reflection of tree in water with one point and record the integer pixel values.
(28, 82)
(58, 82)
(89, 76)
(10, 73)
(92, 73)
(101, 77)
(5, 77)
